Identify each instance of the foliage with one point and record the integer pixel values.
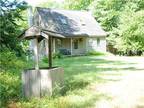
(57, 55)
(95, 53)
(131, 35)
(9, 61)
(51, 4)
(64, 51)
(124, 21)
(10, 15)
(77, 4)
(10, 88)
(10, 72)
(107, 12)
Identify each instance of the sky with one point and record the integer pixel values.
(36, 2)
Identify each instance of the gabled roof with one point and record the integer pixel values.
(69, 23)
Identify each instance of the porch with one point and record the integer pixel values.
(69, 46)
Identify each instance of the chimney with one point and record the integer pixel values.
(30, 16)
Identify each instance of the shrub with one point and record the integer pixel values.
(9, 61)
(10, 66)
(45, 59)
(95, 53)
(54, 56)
(64, 51)
(10, 88)
(57, 55)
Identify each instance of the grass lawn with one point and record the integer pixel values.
(87, 79)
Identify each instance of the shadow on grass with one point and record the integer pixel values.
(78, 101)
(81, 71)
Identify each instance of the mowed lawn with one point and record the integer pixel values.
(97, 82)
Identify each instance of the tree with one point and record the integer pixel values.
(123, 19)
(77, 4)
(51, 4)
(131, 31)
(10, 15)
(107, 12)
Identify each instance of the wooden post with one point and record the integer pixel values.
(47, 48)
(36, 54)
(71, 46)
(50, 51)
(54, 45)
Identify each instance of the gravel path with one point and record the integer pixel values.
(126, 90)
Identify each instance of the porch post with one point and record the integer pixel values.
(71, 46)
(36, 56)
(46, 46)
(54, 45)
(50, 51)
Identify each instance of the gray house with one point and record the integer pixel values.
(80, 32)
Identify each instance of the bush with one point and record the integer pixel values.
(9, 61)
(10, 66)
(10, 88)
(57, 55)
(54, 56)
(64, 52)
(95, 53)
(45, 59)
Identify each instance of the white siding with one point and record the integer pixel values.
(92, 45)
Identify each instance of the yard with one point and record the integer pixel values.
(90, 26)
(97, 82)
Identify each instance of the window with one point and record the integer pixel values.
(76, 44)
(98, 41)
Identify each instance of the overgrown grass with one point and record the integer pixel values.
(79, 74)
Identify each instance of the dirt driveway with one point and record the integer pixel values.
(125, 90)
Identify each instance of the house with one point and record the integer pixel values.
(81, 32)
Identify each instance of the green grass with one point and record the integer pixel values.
(80, 73)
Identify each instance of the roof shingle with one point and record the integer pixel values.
(69, 23)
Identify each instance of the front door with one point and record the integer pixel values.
(78, 46)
